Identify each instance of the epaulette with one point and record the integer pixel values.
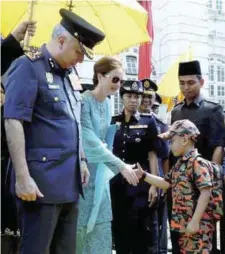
(115, 119)
(212, 102)
(180, 103)
(159, 120)
(34, 56)
(145, 114)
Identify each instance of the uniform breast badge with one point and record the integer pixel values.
(50, 79)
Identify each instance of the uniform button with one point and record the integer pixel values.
(124, 134)
(56, 99)
(123, 159)
(123, 151)
(44, 158)
(138, 133)
(124, 142)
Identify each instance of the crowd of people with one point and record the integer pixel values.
(76, 179)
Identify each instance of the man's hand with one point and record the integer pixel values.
(85, 175)
(20, 31)
(129, 174)
(26, 189)
(192, 227)
(152, 195)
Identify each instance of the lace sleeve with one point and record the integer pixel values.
(95, 150)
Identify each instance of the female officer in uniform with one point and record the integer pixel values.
(134, 223)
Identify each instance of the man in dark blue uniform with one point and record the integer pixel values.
(134, 225)
(42, 112)
(150, 102)
(205, 114)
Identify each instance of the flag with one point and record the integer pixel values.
(145, 50)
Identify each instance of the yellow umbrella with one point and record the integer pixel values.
(169, 88)
(124, 22)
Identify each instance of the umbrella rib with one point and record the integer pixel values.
(136, 23)
(101, 24)
(18, 20)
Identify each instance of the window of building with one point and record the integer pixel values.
(211, 90)
(216, 5)
(221, 90)
(210, 4)
(118, 106)
(211, 72)
(131, 65)
(219, 6)
(217, 79)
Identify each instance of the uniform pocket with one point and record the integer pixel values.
(43, 154)
(53, 105)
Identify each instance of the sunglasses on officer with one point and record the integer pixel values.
(114, 79)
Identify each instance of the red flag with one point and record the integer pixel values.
(145, 50)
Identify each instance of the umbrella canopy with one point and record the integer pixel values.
(123, 22)
(169, 88)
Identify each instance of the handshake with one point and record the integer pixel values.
(132, 173)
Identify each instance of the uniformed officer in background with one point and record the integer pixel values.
(156, 104)
(149, 95)
(150, 103)
(205, 114)
(134, 225)
(42, 112)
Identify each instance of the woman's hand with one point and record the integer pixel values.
(129, 174)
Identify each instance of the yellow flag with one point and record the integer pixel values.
(169, 88)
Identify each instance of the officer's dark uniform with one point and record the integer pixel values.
(205, 114)
(150, 87)
(10, 50)
(44, 96)
(135, 228)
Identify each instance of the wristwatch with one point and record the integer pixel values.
(84, 159)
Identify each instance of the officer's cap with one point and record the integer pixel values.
(158, 100)
(84, 32)
(189, 68)
(131, 86)
(149, 86)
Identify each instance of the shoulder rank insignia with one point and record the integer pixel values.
(34, 55)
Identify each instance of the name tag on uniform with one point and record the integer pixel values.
(138, 126)
(75, 81)
(53, 86)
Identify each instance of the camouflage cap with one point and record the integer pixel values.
(181, 128)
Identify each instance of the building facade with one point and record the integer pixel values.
(178, 25)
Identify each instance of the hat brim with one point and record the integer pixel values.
(149, 92)
(167, 135)
(87, 51)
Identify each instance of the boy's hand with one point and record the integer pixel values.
(192, 227)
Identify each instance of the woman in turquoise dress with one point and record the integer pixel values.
(95, 213)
